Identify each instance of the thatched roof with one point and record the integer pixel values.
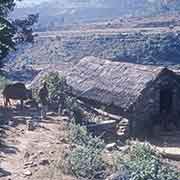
(111, 82)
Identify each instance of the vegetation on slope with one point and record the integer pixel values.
(55, 13)
(142, 162)
(85, 159)
(6, 29)
(138, 162)
(143, 48)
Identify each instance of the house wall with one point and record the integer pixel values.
(174, 83)
(146, 112)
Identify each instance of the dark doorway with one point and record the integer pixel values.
(166, 100)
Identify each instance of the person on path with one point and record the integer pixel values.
(43, 95)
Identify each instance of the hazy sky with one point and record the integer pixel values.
(30, 2)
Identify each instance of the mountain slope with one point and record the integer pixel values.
(57, 13)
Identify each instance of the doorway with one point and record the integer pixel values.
(166, 100)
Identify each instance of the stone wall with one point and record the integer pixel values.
(146, 111)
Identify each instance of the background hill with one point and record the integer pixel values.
(136, 31)
(54, 14)
(158, 46)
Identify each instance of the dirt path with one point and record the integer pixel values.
(38, 154)
(34, 154)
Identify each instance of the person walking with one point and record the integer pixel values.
(43, 95)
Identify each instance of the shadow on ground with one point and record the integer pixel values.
(10, 118)
(4, 150)
(4, 173)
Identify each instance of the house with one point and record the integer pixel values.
(144, 94)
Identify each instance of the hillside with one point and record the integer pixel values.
(156, 46)
(54, 14)
(95, 94)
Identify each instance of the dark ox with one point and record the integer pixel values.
(17, 91)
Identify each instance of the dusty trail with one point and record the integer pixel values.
(33, 155)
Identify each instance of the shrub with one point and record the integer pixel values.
(55, 86)
(60, 96)
(85, 161)
(77, 112)
(58, 89)
(143, 163)
(78, 135)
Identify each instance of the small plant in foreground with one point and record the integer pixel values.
(143, 163)
(78, 135)
(85, 160)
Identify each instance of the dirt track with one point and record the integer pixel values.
(34, 154)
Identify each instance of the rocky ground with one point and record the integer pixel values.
(38, 154)
(33, 154)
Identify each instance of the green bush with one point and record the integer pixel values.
(78, 135)
(56, 86)
(143, 163)
(85, 160)
(60, 96)
(58, 90)
(74, 107)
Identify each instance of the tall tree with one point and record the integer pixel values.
(24, 32)
(6, 6)
(6, 29)
(6, 34)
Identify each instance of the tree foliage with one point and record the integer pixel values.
(6, 29)
(58, 90)
(6, 6)
(24, 28)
